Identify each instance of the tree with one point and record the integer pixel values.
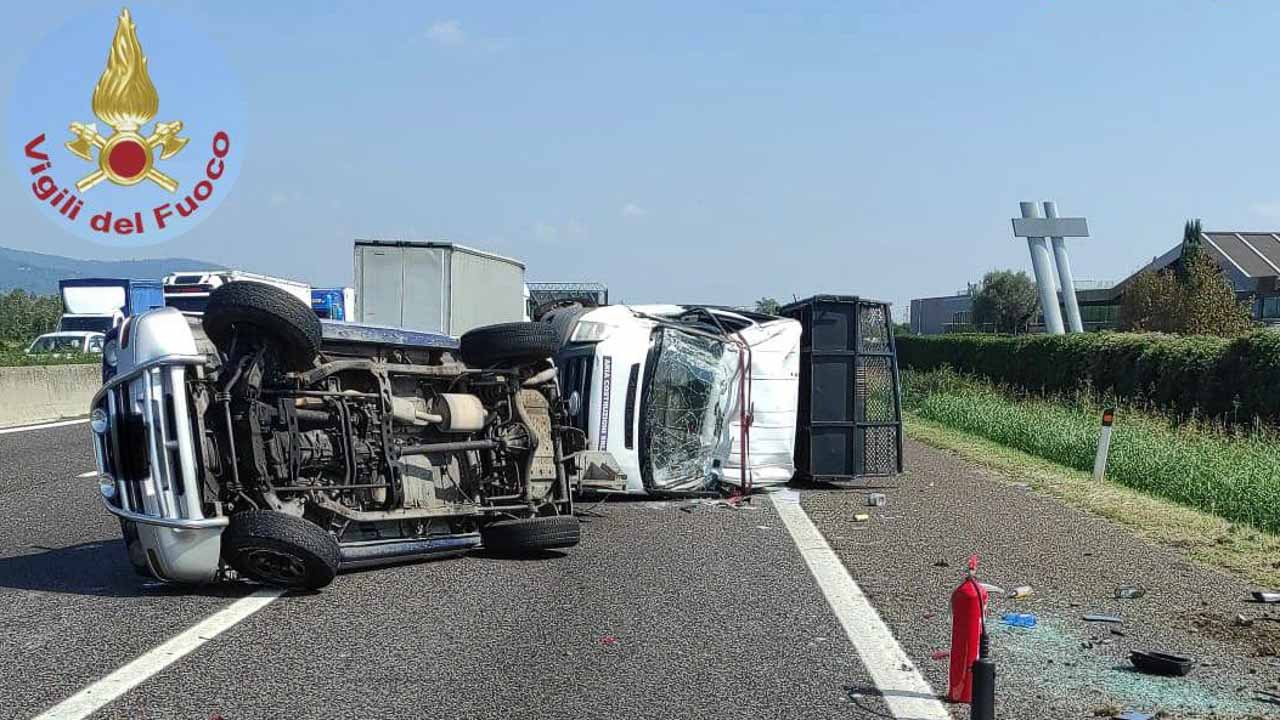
(1191, 247)
(1152, 303)
(1195, 298)
(1006, 300)
(1209, 306)
(23, 316)
(767, 305)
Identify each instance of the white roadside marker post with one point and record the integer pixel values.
(1104, 444)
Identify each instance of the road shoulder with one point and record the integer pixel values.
(909, 556)
(1238, 549)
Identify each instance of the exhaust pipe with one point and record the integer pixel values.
(381, 552)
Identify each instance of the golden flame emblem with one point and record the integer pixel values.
(125, 99)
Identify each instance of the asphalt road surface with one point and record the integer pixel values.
(665, 610)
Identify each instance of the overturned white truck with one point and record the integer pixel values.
(683, 397)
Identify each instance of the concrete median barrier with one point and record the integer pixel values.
(43, 393)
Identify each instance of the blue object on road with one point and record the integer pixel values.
(1023, 620)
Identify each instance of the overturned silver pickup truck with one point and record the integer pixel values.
(260, 440)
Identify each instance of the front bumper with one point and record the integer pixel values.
(148, 453)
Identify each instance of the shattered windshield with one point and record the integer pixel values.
(685, 421)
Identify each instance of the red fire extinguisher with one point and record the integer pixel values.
(968, 603)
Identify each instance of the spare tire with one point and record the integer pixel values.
(564, 320)
(517, 343)
(280, 549)
(528, 535)
(284, 322)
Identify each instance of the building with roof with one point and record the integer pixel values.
(942, 314)
(1250, 261)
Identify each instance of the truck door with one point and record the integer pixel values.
(382, 283)
(425, 290)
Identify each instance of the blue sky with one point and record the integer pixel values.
(721, 152)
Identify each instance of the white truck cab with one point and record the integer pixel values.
(665, 389)
(189, 291)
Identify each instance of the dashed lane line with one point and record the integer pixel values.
(41, 426)
(92, 698)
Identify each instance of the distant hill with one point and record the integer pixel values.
(39, 273)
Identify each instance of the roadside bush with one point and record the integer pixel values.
(1234, 380)
(1234, 475)
(24, 316)
(14, 354)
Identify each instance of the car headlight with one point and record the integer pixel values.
(110, 354)
(588, 331)
(107, 486)
(98, 420)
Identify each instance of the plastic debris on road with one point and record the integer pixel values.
(1129, 592)
(1020, 593)
(692, 506)
(1022, 620)
(877, 499)
(1158, 663)
(1102, 618)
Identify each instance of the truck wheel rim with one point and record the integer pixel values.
(275, 566)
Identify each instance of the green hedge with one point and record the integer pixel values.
(1235, 476)
(15, 354)
(1237, 380)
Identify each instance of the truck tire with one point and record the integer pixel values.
(531, 535)
(283, 321)
(280, 549)
(506, 344)
(564, 320)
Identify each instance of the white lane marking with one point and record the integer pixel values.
(905, 691)
(89, 474)
(41, 426)
(91, 699)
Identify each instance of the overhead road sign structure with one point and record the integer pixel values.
(1041, 232)
(1050, 227)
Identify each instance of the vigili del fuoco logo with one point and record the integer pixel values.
(140, 173)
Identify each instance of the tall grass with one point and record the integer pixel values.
(1230, 473)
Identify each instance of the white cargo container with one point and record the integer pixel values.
(436, 286)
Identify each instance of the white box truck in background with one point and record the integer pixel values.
(189, 291)
(99, 304)
(436, 286)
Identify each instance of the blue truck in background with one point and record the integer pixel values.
(97, 304)
(334, 303)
